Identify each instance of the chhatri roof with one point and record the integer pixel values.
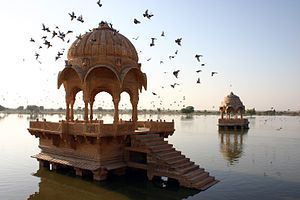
(103, 41)
(232, 101)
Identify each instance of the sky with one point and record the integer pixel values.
(253, 45)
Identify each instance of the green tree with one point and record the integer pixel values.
(188, 110)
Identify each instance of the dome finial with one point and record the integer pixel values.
(104, 25)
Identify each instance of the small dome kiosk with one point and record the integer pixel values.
(234, 109)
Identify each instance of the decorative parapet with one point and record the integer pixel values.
(95, 129)
(157, 126)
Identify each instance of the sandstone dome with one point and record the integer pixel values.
(103, 41)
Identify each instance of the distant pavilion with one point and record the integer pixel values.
(232, 107)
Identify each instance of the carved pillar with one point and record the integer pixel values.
(116, 101)
(91, 109)
(134, 102)
(222, 114)
(72, 110)
(67, 111)
(86, 111)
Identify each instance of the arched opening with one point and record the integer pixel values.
(78, 106)
(98, 79)
(125, 106)
(103, 107)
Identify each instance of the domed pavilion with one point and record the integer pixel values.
(104, 60)
(232, 106)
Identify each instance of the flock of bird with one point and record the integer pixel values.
(49, 35)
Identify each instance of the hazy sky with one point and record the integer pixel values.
(253, 45)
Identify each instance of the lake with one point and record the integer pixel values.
(262, 163)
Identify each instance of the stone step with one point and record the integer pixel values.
(185, 164)
(209, 184)
(178, 161)
(199, 177)
(188, 169)
(174, 158)
(168, 154)
(161, 146)
(202, 185)
(196, 172)
(155, 142)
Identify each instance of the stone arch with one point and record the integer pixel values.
(101, 78)
(133, 73)
(71, 78)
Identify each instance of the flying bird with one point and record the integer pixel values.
(213, 73)
(152, 42)
(53, 34)
(99, 3)
(198, 80)
(161, 62)
(148, 59)
(199, 71)
(32, 40)
(175, 73)
(154, 93)
(45, 28)
(147, 15)
(36, 55)
(197, 56)
(72, 15)
(136, 38)
(80, 18)
(135, 21)
(162, 34)
(173, 85)
(176, 52)
(170, 57)
(178, 41)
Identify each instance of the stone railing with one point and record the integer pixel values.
(96, 129)
(44, 125)
(157, 126)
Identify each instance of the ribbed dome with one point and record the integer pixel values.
(233, 101)
(102, 41)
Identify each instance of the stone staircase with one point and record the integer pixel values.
(164, 160)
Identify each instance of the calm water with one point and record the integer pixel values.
(263, 163)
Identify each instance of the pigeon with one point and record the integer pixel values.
(162, 34)
(45, 28)
(197, 56)
(99, 3)
(32, 40)
(136, 21)
(147, 15)
(37, 56)
(152, 42)
(178, 41)
(213, 73)
(198, 80)
(72, 15)
(80, 18)
(175, 73)
(154, 93)
(136, 38)
(199, 71)
(173, 86)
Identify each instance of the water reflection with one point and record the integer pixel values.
(187, 117)
(231, 144)
(57, 186)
